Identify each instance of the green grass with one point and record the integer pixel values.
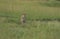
(30, 30)
(16, 8)
(10, 12)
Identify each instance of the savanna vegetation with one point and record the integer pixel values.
(11, 10)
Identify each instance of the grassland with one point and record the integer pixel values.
(15, 8)
(10, 12)
(30, 30)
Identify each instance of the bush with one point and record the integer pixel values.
(57, 0)
(51, 4)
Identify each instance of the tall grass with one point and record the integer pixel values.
(33, 9)
(30, 30)
(10, 12)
